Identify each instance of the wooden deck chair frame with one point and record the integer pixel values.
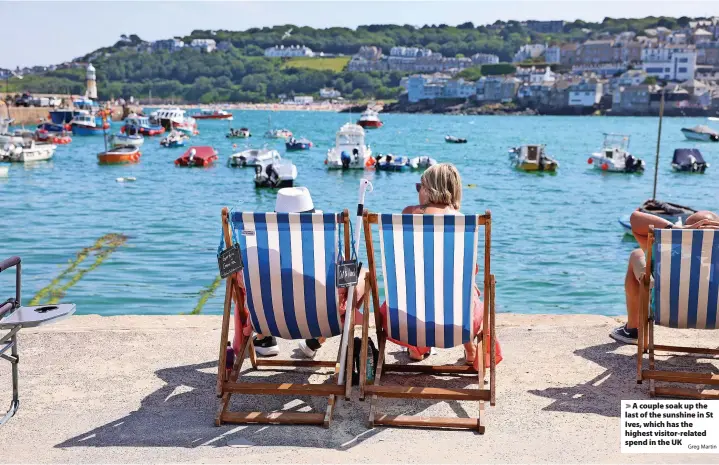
(227, 385)
(486, 336)
(645, 343)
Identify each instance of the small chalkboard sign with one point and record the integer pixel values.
(347, 273)
(230, 261)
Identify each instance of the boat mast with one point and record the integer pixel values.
(659, 139)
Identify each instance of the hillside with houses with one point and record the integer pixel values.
(619, 65)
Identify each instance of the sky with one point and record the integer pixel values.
(51, 32)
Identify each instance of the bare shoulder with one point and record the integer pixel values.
(409, 210)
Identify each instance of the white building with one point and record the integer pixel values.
(533, 75)
(204, 45)
(528, 51)
(485, 59)
(303, 100)
(459, 88)
(553, 54)
(426, 87)
(670, 62)
(280, 51)
(329, 93)
(586, 93)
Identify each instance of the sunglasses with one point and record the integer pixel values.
(418, 186)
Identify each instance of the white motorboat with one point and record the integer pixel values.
(418, 163)
(370, 119)
(275, 173)
(532, 157)
(615, 157)
(176, 118)
(18, 137)
(276, 133)
(350, 151)
(252, 157)
(174, 139)
(124, 140)
(701, 133)
(30, 151)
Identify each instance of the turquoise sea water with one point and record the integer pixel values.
(557, 246)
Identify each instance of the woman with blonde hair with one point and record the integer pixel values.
(440, 193)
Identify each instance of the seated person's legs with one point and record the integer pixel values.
(632, 289)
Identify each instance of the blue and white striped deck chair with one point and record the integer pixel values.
(286, 289)
(428, 264)
(684, 294)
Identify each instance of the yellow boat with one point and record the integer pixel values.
(532, 158)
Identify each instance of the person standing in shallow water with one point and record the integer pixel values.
(641, 222)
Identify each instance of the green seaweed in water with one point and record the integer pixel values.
(102, 248)
(205, 295)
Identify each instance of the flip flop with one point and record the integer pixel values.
(413, 354)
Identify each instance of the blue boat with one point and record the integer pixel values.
(63, 116)
(392, 163)
(297, 144)
(85, 124)
(136, 124)
(51, 127)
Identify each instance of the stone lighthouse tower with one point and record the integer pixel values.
(91, 82)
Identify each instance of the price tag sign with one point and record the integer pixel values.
(230, 261)
(347, 273)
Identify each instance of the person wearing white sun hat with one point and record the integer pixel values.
(289, 200)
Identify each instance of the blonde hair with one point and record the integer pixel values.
(443, 185)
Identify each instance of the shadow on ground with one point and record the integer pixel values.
(603, 394)
(182, 413)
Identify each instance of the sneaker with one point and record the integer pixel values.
(625, 335)
(267, 346)
(309, 347)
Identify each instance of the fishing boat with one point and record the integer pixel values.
(276, 133)
(350, 151)
(57, 138)
(275, 173)
(52, 127)
(294, 145)
(614, 156)
(689, 160)
(242, 133)
(455, 140)
(126, 140)
(370, 119)
(85, 124)
(176, 118)
(532, 157)
(213, 114)
(174, 139)
(137, 124)
(119, 155)
(391, 162)
(62, 115)
(701, 133)
(423, 162)
(252, 157)
(199, 156)
(29, 152)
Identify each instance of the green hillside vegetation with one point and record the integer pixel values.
(244, 74)
(336, 64)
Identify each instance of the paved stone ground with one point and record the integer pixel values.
(141, 389)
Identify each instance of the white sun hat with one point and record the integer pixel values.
(294, 200)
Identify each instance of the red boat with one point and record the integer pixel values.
(198, 156)
(370, 119)
(212, 114)
(119, 155)
(43, 135)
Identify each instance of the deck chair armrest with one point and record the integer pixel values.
(9, 263)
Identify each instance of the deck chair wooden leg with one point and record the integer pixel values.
(652, 391)
(481, 376)
(492, 343)
(365, 342)
(377, 377)
(641, 331)
(350, 351)
(234, 374)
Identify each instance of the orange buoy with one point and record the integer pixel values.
(370, 162)
(589, 160)
(605, 167)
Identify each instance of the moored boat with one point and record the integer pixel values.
(176, 118)
(275, 173)
(276, 133)
(119, 155)
(423, 162)
(85, 124)
(689, 160)
(174, 139)
(701, 133)
(294, 145)
(30, 151)
(199, 156)
(137, 124)
(252, 157)
(455, 140)
(614, 156)
(131, 140)
(57, 138)
(242, 133)
(672, 212)
(212, 114)
(370, 119)
(350, 151)
(391, 162)
(532, 157)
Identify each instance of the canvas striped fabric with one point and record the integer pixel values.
(685, 269)
(289, 272)
(428, 264)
